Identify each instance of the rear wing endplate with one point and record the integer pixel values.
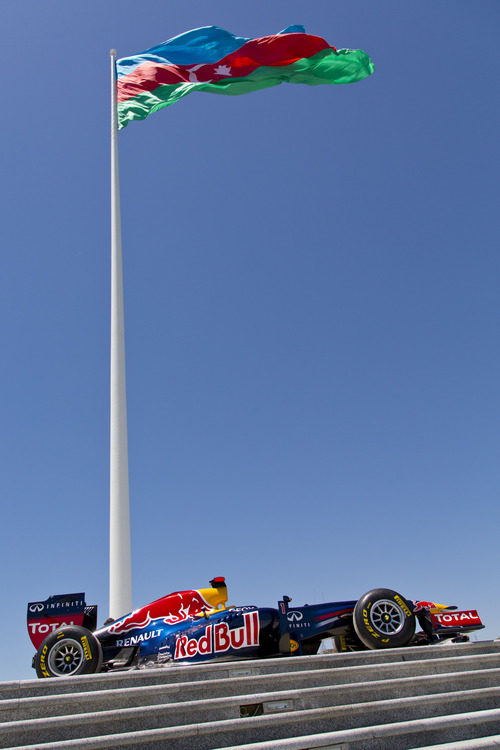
(43, 617)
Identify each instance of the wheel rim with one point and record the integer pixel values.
(387, 617)
(66, 657)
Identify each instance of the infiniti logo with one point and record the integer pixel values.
(294, 616)
(36, 607)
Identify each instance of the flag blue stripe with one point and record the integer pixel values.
(202, 46)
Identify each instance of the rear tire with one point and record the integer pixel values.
(68, 651)
(383, 618)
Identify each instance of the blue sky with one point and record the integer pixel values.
(312, 312)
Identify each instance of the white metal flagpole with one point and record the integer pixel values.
(120, 565)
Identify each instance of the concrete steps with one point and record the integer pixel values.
(401, 698)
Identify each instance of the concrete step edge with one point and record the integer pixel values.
(382, 686)
(480, 743)
(10, 729)
(252, 666)
(141, 739)
(245, 670)
(351, 736)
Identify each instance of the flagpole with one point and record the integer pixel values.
(120, 565)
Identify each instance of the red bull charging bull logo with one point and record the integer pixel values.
(170, 609)
(419, 606)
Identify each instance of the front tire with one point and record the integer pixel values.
(67, 652)
(382, 618)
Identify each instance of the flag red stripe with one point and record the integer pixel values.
(280, 49)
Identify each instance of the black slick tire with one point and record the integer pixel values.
(69, 651)
(382, 618)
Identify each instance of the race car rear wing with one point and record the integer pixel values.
(55, 612)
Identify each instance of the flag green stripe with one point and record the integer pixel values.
(327, 66)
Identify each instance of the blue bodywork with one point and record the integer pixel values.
(235, 633)
(195, 626)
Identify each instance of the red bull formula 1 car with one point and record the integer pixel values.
(197, 626)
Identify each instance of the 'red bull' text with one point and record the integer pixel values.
(219, 637)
